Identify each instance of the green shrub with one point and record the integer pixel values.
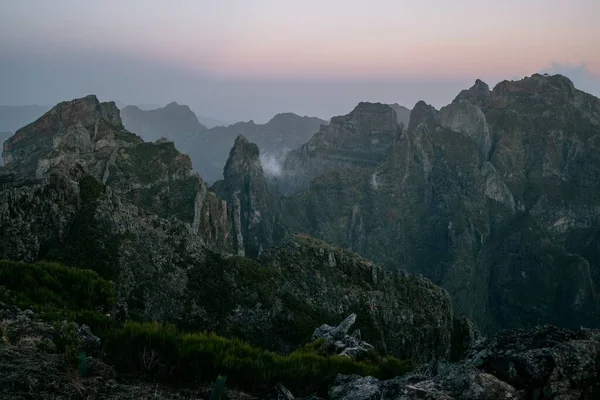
(171, 355)
(51, 285)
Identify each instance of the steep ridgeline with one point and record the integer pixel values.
(282, 133)
(402, 114)
(209, 148)
(494, 197)
(360, 141)
(175, 122)
(153, 176)
(254, 209)
(80, 189)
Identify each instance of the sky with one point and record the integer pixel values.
(250, 59)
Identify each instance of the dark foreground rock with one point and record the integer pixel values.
(343, 344)
(38, 361)
(537, 364)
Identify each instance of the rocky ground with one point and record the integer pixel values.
(541, 363)
(41, 360)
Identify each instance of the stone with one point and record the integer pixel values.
(489, 197)
(255, 209)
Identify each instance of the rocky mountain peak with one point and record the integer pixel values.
(175, 122)
(373, 116)
(479, 94)
(251, 204)
(284, 117)
(542, 89)
(243, 159)
(78, 127)
(421, 112)
(361, 139)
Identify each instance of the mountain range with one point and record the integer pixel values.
(493, 197)
(209, 148)
(406, 227)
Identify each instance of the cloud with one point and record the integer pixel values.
(583, 78)
(272, 162)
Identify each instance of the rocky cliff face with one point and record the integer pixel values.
(254, 209)
(153, 176)
(80, 189)
(403, 314)
(360, 140)
(494, 197)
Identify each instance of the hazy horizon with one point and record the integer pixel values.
(237, 61)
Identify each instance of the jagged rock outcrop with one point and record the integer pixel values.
(343, 344)
(254, 209)
(79, 188)
(282, 133)
(542, 363)
(404, 314)
(494, 197)
(153, 176)
(360, 140)
(117, 205)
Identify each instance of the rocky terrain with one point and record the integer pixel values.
(256, 224)
(494, 197)
(56, 360)
(358, 141)
(543, 363)
(80, 189)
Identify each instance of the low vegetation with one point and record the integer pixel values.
(57, 292)
(164, 352)
(175, 356)
(54, 286)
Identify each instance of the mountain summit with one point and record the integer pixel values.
(492, 197)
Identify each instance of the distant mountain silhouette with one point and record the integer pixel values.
(209, 148)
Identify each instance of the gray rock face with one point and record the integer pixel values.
(544, 363)
(360, 139)
(338, 338)
(153, 176)
(403, 314)
(80, 189)
(494, 197)
(136, 214)
(255, 209)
